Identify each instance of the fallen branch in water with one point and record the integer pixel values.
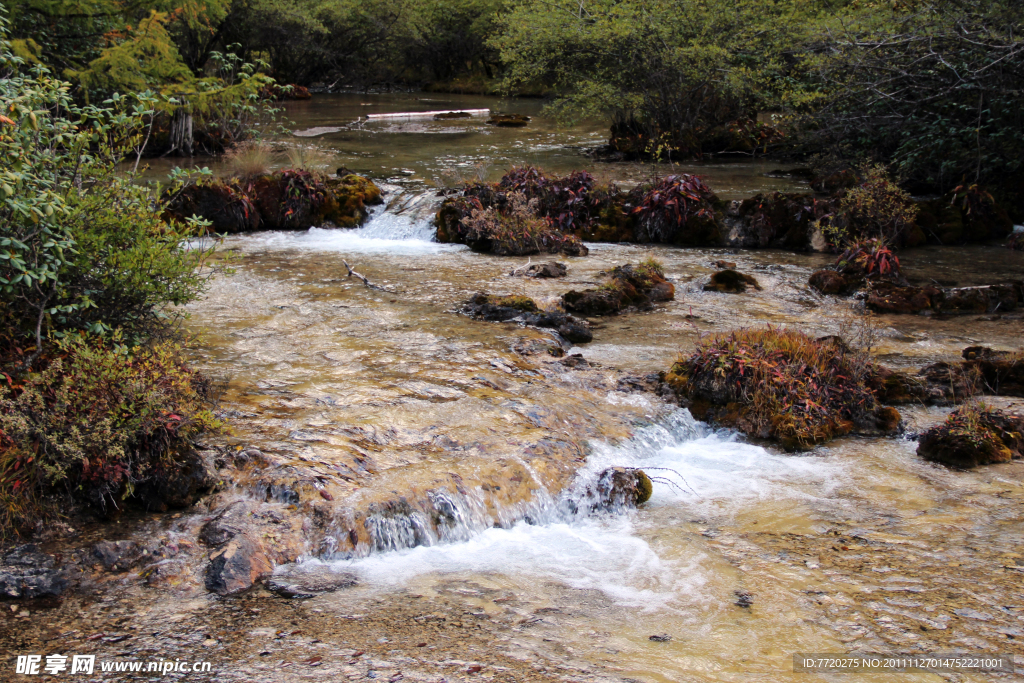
(361, 277)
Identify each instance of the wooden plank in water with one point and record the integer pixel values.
(428, 114)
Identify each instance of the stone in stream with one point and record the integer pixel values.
(307, 581)
(542, 270)
(627, 286)
(25, 572)
(117, 556)
(830, 281)
(249, 540)
(731, 281)
(520, 308)
(619, 487)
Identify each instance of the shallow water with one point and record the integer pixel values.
(419, 153)
(398, 391)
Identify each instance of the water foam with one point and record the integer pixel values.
(385, 232)
(570, 544)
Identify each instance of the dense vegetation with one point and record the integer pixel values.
(95, 401)
(932, 88)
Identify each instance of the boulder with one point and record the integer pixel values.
(248, 541)
(731, 281)
(619, 487)
(26, 572)
(973, 436)
(833, 282)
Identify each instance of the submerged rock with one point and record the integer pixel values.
(730, 281)
(524, 309)
(627, 285)
(508, 120)
(973, 436)
(118, 556)
(307, 581)
(542, 270)
(25, 572)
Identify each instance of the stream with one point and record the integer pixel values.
(745, 556)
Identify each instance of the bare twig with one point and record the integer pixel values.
(361, 277)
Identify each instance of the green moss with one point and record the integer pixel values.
(348, 200)
(644, 487)
(520, 303)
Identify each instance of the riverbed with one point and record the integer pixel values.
(743, 556)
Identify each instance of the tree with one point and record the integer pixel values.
(82, 245)
(666, 65)
(937, 87)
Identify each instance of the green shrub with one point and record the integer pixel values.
(96, 423)
(875, 208)
(82, 245)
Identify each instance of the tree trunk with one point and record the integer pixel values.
(180, 142)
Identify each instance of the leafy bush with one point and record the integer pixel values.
(569, 202)
(517, 230)
(876, 208)
(934, 87)
(98, 422)
(83, 250)
(869, 258)
(677, 209)
(662, 71)
(81, 245)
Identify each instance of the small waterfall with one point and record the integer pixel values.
(583, 538)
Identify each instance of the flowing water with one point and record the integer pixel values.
(388, 393)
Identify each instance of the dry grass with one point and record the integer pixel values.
(781, 383)
(250, 159)
(307, 158)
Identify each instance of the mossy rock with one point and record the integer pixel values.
(520, 303)
(833, 282)
(626, 286)
(973, 436)
(348, 199)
